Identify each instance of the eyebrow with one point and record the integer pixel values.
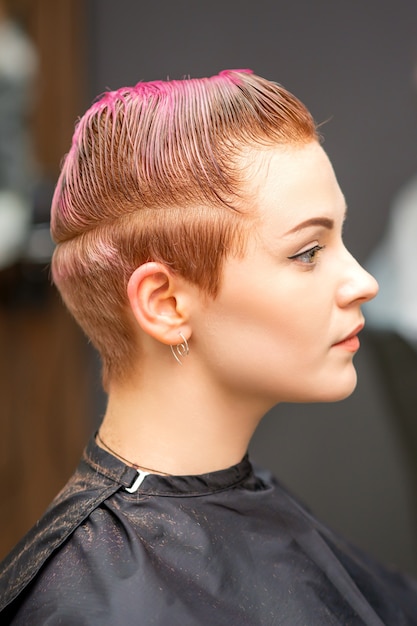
(326, 222)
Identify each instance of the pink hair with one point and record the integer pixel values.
(152, 175)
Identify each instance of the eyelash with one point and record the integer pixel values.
(309, 254)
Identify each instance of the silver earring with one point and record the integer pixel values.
(181, 349)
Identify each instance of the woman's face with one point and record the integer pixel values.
(284, 324)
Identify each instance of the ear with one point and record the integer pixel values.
(160, 302)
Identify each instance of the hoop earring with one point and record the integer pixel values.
(181, 349)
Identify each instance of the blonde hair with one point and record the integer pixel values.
(152, 174)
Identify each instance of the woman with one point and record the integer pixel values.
(199, 244)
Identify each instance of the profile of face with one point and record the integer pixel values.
(285, 322)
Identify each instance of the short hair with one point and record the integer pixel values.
(153, 174)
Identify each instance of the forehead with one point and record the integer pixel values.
(290, 184)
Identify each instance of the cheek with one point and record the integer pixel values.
(265, 312)
(260, 336)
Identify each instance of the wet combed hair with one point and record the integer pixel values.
(153, 174)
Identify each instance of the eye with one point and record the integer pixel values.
(308, 257)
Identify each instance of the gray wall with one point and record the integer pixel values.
(351, 62)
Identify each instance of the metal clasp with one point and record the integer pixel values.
(139, 480)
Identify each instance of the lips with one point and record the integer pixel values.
(350, 342)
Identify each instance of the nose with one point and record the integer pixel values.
(357, 285)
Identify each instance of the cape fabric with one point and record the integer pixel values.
(225, 548)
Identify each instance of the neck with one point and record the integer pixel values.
(176, 426)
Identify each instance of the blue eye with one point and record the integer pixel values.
(308, 257)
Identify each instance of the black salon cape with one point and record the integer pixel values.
(230, 547)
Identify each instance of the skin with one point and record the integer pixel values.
(276, 331)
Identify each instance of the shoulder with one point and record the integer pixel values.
(76, 582)
(81, 496)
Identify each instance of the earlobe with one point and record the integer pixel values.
(158, 303)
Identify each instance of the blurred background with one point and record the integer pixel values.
(353, 63)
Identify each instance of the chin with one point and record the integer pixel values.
(331, 389)
(341, 389)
